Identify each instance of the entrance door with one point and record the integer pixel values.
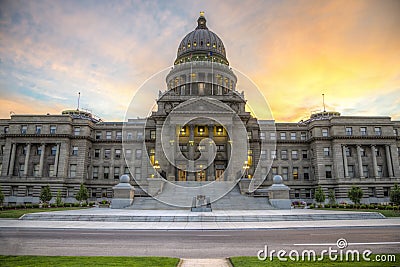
(201, 176)
(181, 175)
(219, 174)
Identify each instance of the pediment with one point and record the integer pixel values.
(203, 105)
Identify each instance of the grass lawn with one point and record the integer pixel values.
(254, 262)
(86, 261)
(15, 214)
(386, 213)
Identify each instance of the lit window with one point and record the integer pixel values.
(220, 130)
(200, 129)
(295, 173)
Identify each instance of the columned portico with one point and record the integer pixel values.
(360, 163)
(345, 165)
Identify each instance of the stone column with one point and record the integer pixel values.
(389, 161)
(41, 160)
(345, 165)
(12, 160)
(360, 166)
(28, 151)
(374, 164)
(56, 160)
(211, 168)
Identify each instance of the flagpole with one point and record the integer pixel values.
(191, 70)
(212, 75)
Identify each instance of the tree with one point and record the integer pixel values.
(45, 194)
(319, 195)
(1, 197)
(395, 194)
(355, 194)
(331, 197)
(59, 202)
(82, 194)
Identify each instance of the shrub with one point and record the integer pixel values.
(395, 207)
(312, 206)
(328, 206)
(350, 206)
(319, 195)
(342, 206)
(67, 205)
(334, 206)
(363, 206)
(36, 205)
(395, 194)
(1, 197)
(76, 204)
(59, 199)
(381, 207)
(371, 206)
(19, 206)
(104, 202)
(91, 204)
(82, 194)
(45, 194)
(84, 204)
(53, 205)
(389, 207)
(355, 194)
(28, 206)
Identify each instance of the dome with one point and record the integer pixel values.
(201, 42)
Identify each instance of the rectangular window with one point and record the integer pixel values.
(324, 132)
(220, 147)
(327, 151)
(138, 173)
(294, 155)
(116, 172)
(272, 135)
(21, 169)
(284, 154)
(74, 151)
(138, 154)
(107, 153)
(303, 136)
(29, 191)
(395, 133)
(263, 154)
(97, 153)
(6, 129)
(39, 150)
(274, 171)
(309, 193)
(292, 136)
(108, 135)
(348, 152)
(262, 135)
(386, 191)
(297, 193)
(183, 148)
(129, 136)
(328, 171)
(117, 153)
(377, 152)
(36, 170)
(285, 171)
(51, 170)
(363, 131)
(304, 154)
(106, 172)
(201, 88)
(128, 153)
(306, 173)
(349, 131)
(201, 130)
(53, 150)
(119, 135)
(95, 173)
(24, 129)
(38, 129)
(295, 173)
(362, 151)
(365, 171)
(249, 135)
(282, 136)
(72, 170)
(139, 136)
(53, 129)
(220, 130)
(351, 171)
(380, 172)
(273, 154)
(98, 135)
(378, 131)
(153, 135)
(14, 190)
(126, 170)
(371, 191)
(77, 130)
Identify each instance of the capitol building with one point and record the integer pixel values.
(201, 132)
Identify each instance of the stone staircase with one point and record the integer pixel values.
(231, 201)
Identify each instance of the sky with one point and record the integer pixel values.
(294, 51)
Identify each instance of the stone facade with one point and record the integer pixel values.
(66, 150)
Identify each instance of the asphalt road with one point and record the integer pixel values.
(191, 244)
